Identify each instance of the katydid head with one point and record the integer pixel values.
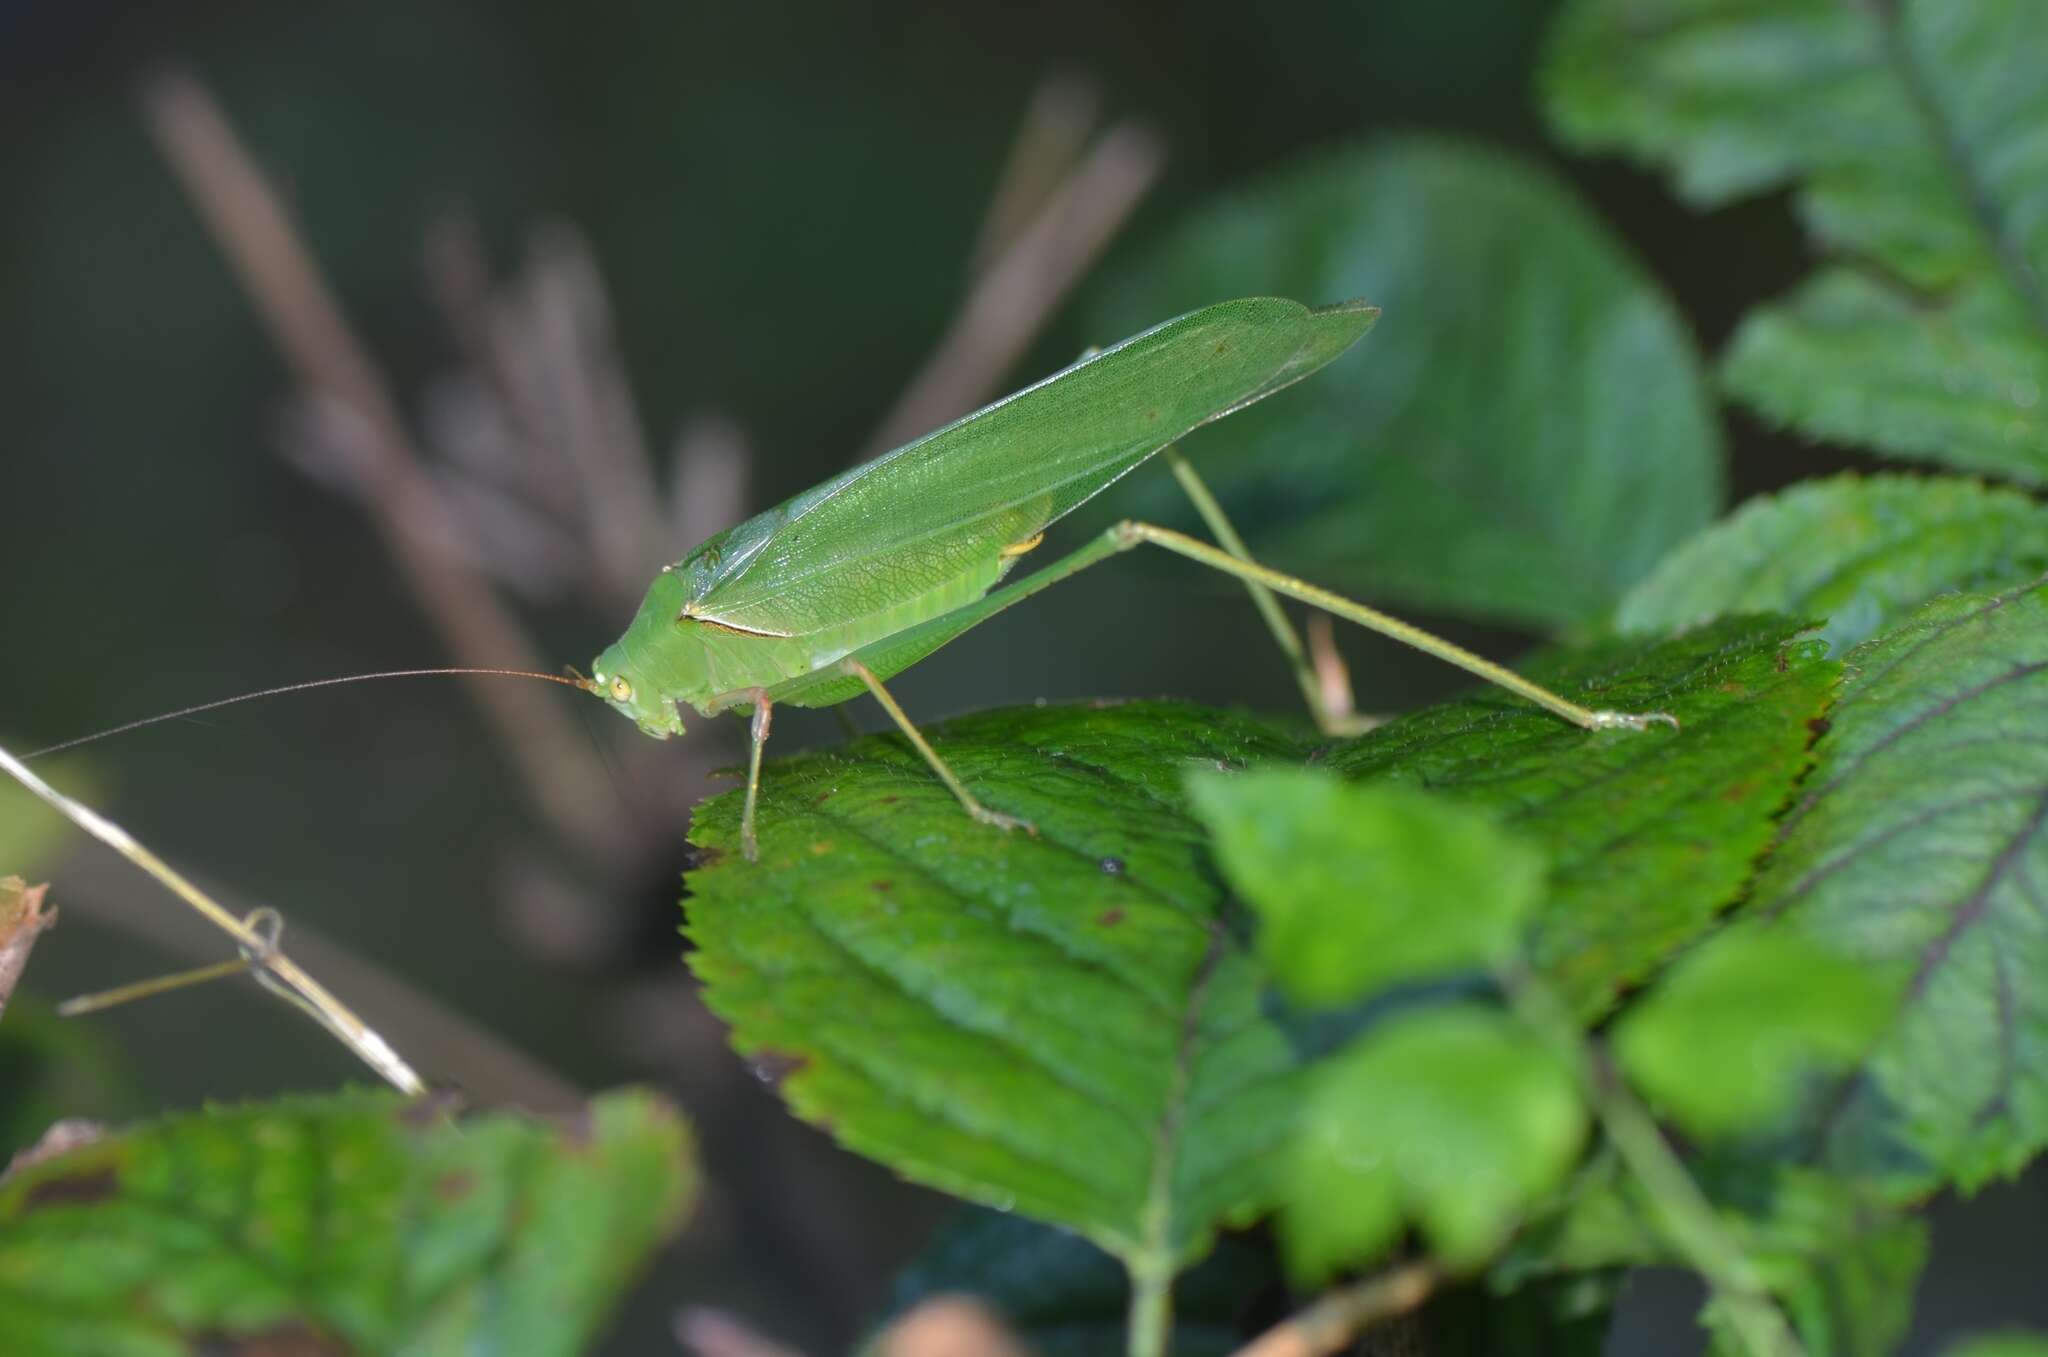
(628, 692)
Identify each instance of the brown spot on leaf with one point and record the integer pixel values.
(891, 799)
(1820, 725)
(882, 885)
(1738, 791)
(821, 848)
(822, 797)
(1110, 918)
(1784, 662)
(451, 1188)
(77, 1189)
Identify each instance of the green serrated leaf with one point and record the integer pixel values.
(1362, 887)
(1532, 431)
(348, 1224)
(1059, 1024)
(1848, 358)
(1841, 1262)
(1921, 843)
(1066, 1298)
(1070, 1026)
(1913, 131)
(1453, 1117)
(1859, 552)
(1723, 1041)
(1648, 835)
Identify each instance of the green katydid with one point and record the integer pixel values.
(829, 594)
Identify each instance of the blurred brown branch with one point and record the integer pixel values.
(950, 1326)
(1329, 1324)
(710, 1332)
(1033, 264)
(343, 386)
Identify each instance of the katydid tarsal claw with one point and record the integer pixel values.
(826, 596)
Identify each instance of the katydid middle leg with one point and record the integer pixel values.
(931, 756)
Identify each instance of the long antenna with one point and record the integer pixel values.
(582, 683)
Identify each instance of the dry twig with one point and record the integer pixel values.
(290, 980)
(441, 1039)
(1011, 300)
(710, 1332)
(560, 774)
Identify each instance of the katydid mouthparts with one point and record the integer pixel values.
(830, 593)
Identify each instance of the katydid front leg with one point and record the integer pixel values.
(764, 719)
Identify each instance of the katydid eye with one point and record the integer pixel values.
(622, 691)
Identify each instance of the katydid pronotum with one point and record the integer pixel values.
(829, 594)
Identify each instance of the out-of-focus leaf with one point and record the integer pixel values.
(1362, 887)
(1647, 834)
(1723, 1041)
(1859, 552)
(1558, 1316)
(1059, 1024)
(1453, 1117)
(1066, 1298)
(1841, 1262)
(350, 1224)
(1913, 133)
(1921, 844)
(1531, 432)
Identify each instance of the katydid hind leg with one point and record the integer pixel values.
(1328, 702)
(967, 799)
(1129, 534)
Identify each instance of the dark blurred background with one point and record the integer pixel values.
(787, 207)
